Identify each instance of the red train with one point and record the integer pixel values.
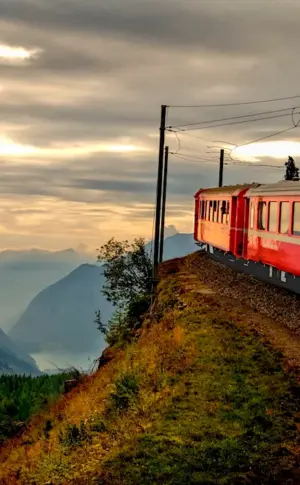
(253, 228)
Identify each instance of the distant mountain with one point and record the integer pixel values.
(23, 274)
(62, 316)
(38, 256)
(177, 246)
(13, 360)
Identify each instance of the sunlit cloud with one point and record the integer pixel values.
(9, 148)
(10, 53)
(272, 149)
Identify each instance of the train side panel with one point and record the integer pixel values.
(272, 240)
(219, 218)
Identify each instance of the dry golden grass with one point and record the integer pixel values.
(178, 404)
(161, 351)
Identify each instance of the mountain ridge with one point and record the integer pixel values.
(14, 359)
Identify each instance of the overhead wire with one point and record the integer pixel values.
(193, 159)
(188, 158)
(179, 129)
(295, 125)
(272, 100)
(233, 117)
(237, 122)
(188, 134)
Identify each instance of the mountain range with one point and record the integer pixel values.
(13, 360)
(23, 274)
(61, 316)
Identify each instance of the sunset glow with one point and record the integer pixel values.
(16, 53)
(272, 149)
(9, 147)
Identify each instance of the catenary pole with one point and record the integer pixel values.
(163, 208)
(159, 190)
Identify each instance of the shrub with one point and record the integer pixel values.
(74, 435)
(98, 426)
(126, 391)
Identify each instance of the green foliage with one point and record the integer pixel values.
(127, 269)
(23, 396)
(74, 435)
(128, 273)
(126, 391)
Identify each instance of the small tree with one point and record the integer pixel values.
(292, 172)
(128, 282)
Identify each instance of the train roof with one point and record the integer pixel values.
(227, 189)
(284, 187)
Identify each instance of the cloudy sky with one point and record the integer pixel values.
(81, 84)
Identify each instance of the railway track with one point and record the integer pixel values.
(271, 311)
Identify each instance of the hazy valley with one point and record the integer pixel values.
(49, 301)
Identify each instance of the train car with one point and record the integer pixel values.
(273, 233)
(219, 218)
(253, 228)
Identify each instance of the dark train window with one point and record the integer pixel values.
(273, 211)
(210, 210)
(215, 211)
(222, 213)
(205, 209)
(262, 213)
(202, 209)
(296, 219)
(284, 217)
(227, 212)
(252, 215)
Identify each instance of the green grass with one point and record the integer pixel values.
(195, 400)
(229, 421)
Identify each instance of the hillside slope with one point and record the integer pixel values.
(200, 398)
(62, 316)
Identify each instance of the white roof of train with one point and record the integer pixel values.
(284, 187)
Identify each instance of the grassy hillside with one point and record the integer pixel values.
(195, 400)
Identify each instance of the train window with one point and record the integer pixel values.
(296, 219)
(204, 209)
(252, 215)
(284, 217)
(273, 210)
(222, 215)
(262, 213)
(227, 212)
(215, 211)
(210, 210)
